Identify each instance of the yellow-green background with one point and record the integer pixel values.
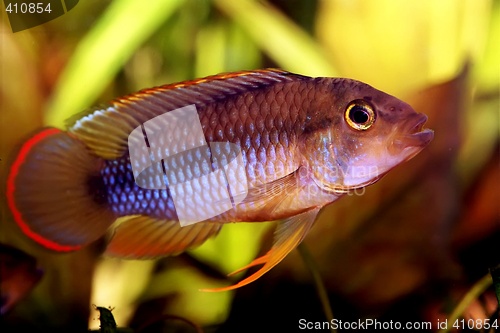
(104, 49)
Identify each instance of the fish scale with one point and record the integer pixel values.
(300, 143)
(126, 198)
(262, 149)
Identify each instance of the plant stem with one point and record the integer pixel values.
(318, 282)
(495, 274)
(477, 289)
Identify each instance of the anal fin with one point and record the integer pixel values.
(143, 237)
(288, 236)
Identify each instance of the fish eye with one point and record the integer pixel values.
(360, 115)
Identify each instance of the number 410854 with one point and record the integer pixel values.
(477, 324)
(29, 7)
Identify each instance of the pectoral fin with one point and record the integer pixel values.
(142, 237)
(288, 235)
(270, 195)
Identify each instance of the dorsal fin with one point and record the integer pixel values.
(288, 236)
(106, 130)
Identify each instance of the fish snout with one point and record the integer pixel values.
(413, 134)
(417, 124)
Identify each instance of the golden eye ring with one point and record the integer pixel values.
(359, 115)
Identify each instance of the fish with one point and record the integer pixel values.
(299, 143)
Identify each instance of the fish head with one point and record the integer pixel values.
(360, 134)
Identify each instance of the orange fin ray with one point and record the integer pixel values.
(143, 237)
(258, 261)
(288, 235)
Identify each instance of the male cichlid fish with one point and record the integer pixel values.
(304, 142)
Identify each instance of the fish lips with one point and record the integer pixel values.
(415, 135)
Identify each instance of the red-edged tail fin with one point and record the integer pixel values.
(55, 192)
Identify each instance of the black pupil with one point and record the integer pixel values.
(359, 115)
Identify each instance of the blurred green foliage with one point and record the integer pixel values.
(104, 50)
(215, 43)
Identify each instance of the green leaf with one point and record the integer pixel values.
(211, 43)
(285, 42)
(234, 247)
(402, 46)
(222, 46)
(103, 51)
(183, 283)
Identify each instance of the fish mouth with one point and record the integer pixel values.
(416, 135)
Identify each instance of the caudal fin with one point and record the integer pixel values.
(55, 192)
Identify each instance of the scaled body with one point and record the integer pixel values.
(303, 142)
